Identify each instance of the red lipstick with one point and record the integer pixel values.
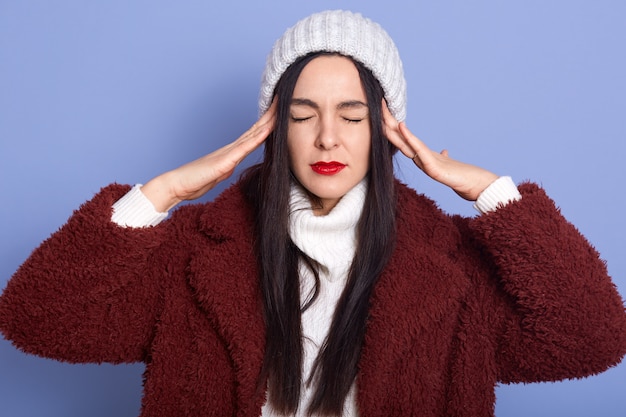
(327, 168)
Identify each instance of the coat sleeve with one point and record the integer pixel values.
(557, 313)
(90, 292)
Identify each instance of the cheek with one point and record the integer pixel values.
(363, 149)
(296, 158)
(300, 140)
(294, 137)
(365, 157)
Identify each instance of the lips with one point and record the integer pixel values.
(327, 168)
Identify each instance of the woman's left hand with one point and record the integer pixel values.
(466, 180)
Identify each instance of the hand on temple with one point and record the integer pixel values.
(467, 180)
(194, 179)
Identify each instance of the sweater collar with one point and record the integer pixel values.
(330, 239)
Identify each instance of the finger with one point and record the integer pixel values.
(258, 132)
(261, 128)
(393, 134)
(388, 118)
(400, 142)
(270, 114)
(423, 156)
(418, 146)
(248, 143)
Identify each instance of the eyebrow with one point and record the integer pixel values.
(343, 105)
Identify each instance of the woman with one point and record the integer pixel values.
(318, 284)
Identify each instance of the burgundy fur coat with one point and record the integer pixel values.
(514, 295)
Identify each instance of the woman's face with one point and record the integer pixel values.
(329, 136)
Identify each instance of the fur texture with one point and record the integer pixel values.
(517, 295)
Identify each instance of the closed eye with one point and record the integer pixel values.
(353, 120)
(300, 119)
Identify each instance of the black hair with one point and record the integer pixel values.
(267, 186)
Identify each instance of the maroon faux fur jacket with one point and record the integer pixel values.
(514, 295)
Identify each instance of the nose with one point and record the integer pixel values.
(328, 135)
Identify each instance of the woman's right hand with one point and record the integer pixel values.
(194, 179)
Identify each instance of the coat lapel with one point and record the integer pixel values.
(224, 277)
(417, 293)
(415, 300)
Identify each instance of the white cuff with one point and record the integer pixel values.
(499, 193)
(135, 210)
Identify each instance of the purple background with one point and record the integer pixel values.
(93, 92)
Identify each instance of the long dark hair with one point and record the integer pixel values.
(267, 186)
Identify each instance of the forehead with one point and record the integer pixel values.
(330, 77)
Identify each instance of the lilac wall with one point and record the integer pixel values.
(102, 91)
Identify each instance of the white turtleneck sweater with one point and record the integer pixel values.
(331, 241)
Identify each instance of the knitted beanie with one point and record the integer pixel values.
(349, 34)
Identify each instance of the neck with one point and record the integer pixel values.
(326, 205)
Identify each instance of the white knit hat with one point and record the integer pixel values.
(349, 34)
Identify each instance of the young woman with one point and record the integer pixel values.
(318, 284)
